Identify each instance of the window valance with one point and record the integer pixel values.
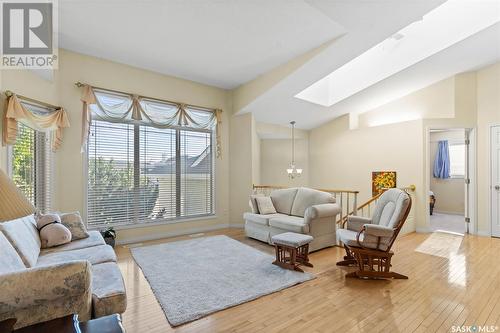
(40, 118)
(112, 106)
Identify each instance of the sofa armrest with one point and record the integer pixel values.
(378, 230)
(356, 223)
(37, 285)
(322, 210)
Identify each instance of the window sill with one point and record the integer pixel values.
(155, 223)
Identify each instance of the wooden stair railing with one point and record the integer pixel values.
(347, 199)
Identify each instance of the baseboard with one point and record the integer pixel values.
(484, 233)
(237, 226)
(168, 234)
(448, 213)
(422, 230)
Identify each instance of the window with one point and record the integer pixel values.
(30, 165)
(140, 174)
(457, 160)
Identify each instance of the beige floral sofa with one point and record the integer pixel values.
(301, 210)
(37, 285)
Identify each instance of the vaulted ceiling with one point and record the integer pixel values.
(231, 43)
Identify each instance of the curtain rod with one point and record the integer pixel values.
(80, 85)
(9, 93)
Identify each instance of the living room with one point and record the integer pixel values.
(206, 141)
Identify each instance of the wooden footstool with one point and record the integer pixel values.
(292, 250)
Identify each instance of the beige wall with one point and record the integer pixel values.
(343, 158)
(275, 159)
(488, 114)
(241, 165)
(69, 162)
(450, 193)
(469, 100)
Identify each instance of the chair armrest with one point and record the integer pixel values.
(322, 210)
(356, 223)
(378, 230)
(37, 285)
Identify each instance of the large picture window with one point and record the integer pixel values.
(139, 174)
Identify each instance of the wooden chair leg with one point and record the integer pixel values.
(373, 264)
(349, 259)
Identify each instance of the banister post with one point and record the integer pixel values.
(355, 204)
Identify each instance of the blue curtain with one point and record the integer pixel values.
(442, 161)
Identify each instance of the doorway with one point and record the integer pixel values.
(450, 164)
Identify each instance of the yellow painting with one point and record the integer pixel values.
(381, 180)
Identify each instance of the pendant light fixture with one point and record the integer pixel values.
(292, 170)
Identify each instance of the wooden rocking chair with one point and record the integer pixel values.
(368, 241)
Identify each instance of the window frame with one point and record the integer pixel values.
(458, 176)
(159, 221)
(49, 154)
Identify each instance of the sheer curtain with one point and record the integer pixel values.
(111, 106)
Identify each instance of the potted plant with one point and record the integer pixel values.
(109, 235)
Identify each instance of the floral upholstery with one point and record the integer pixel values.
(37, 294)
(23, 235)
(94, 239)
(80, 277)
(10, 261)
(95, 254)
(108, 295)
(73, 221)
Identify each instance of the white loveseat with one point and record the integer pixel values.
(301, 210)
(38, 285)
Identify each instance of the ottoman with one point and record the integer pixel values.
(292, 250)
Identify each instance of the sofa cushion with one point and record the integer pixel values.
(265, 205)
(292, 239)
(290, 223)
(23, 236)
(307, 197)
(10, 261)
(253, 204)
(94, 239)
(108, 290)
(96, 255)
(283, 200)
(73, 221)
(260, 219)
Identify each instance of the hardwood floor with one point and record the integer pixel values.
(453, 280)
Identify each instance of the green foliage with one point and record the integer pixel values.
(23, 163)
(113, 192)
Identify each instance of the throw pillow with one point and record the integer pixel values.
(265, 205)
(253, 203)
(52, 232)
(73, 221)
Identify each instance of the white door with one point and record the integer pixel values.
(495, 181)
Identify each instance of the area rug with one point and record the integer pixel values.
(196, 277)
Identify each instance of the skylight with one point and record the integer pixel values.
(442, 27)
